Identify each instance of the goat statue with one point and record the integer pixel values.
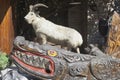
(48, 31)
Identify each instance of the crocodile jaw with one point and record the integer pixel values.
(34, 63)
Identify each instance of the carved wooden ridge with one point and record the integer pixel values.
(113, 41)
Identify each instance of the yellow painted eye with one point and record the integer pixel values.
(52, 53)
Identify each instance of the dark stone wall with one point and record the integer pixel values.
(77, 19)
(103, 7)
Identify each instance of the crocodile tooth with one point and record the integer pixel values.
(22, 54)
(46, 60)
(15, 53)
(18, 54)
(24, 58)
(41, 63)
(29, 56)
(46, 63)
(41, 59)
(27, 60)
(35, 57)
(36, 61)
(31, 60)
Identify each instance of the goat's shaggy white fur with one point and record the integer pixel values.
(48, 31)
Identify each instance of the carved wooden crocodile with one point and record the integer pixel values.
(51, 63)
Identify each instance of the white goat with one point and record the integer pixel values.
(48, 31)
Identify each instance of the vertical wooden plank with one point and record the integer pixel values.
(6, 26)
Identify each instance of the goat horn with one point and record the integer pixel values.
(39, 4)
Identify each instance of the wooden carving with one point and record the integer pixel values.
(113, 41)
(6, 26)
(47, 62)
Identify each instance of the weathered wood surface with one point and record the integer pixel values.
(6, 26)
(113, 43)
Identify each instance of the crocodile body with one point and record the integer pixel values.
(51, 63)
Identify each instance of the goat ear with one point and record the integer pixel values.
(31, 7)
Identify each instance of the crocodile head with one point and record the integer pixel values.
(49, 62)
(31, 58)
